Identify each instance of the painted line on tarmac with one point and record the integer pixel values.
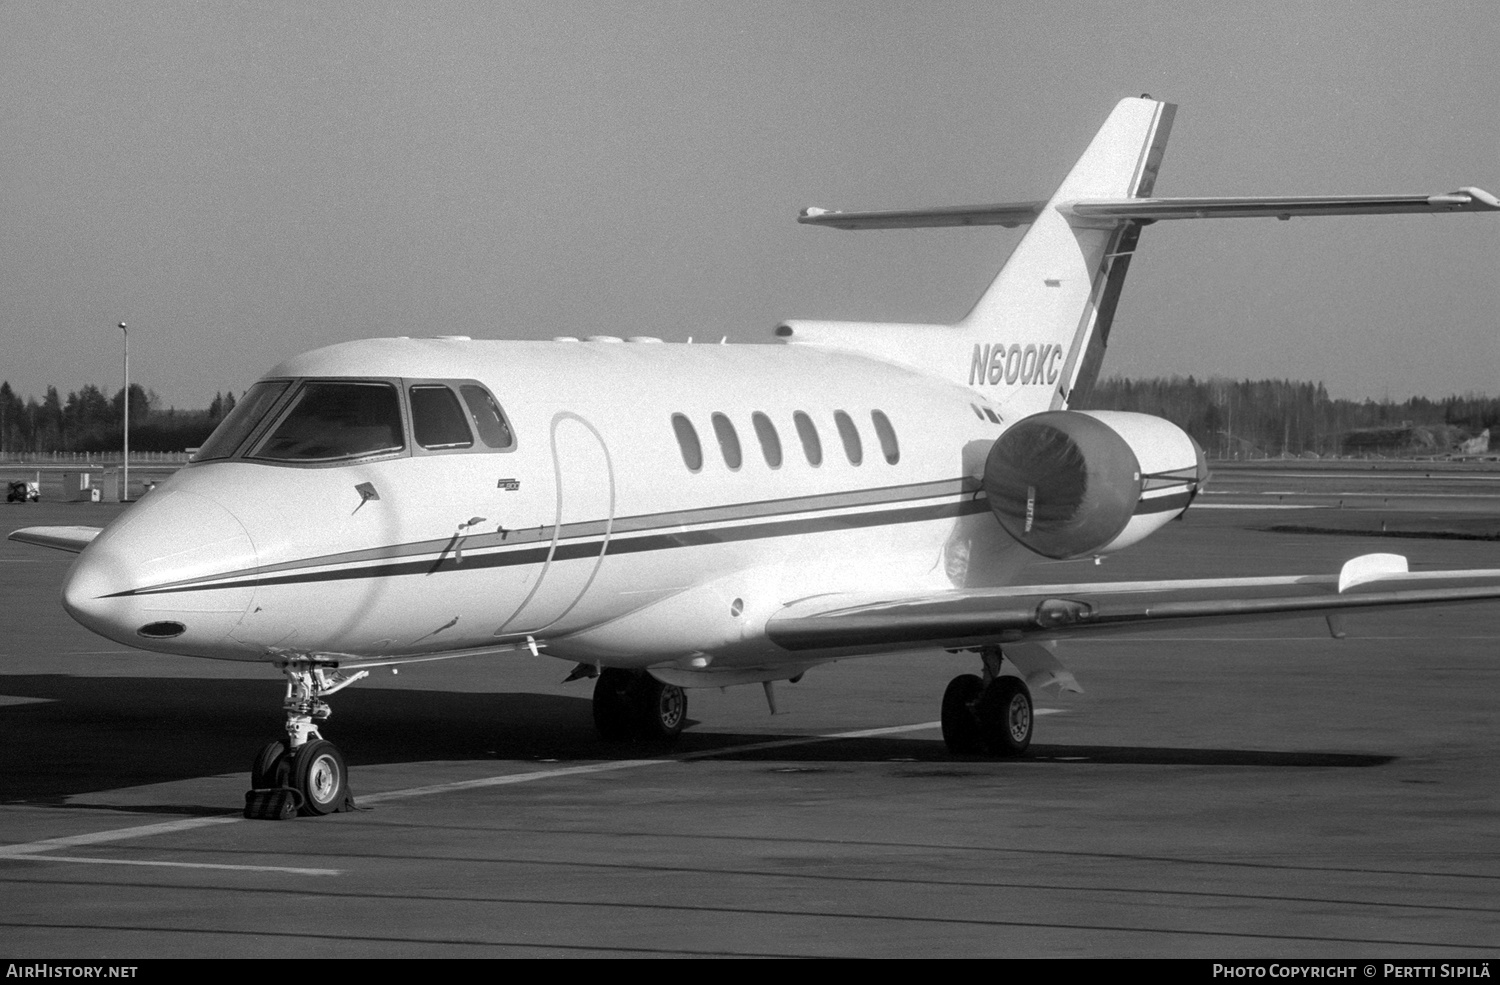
(288, 869)
(118, 834)
(36, 850)
(497, 781)
(628, 764)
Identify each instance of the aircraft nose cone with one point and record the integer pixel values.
(157, 578)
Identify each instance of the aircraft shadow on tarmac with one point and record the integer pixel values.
(94, 734)
(928, 758)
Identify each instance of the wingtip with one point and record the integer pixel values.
(1482, 196)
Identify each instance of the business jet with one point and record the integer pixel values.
(675, 516)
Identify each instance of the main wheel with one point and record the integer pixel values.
(319, 774)
(961, 730)
(1005, 716)
(267, 772)
(661, 709)
(612, 704)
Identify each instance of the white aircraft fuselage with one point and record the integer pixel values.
(591, 533)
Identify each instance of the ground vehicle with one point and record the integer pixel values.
(21, 491)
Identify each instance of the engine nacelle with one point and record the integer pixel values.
(1070, 484)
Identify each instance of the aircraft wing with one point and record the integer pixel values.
(1154, 209)
(72, 539)
(974, 617)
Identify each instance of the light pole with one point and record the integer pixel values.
(125, 488)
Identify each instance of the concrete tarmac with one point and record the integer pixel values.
(1260, 791)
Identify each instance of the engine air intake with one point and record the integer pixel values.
(1069, 484)
(1062, 483)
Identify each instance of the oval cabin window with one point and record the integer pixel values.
(770, 441)
(687, 441)
(812, 445)
(887, 436)
(849, 434)
(729, 441)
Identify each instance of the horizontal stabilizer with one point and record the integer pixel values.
(1008, 214)
(72, 539)
(1154, 209)
(1463, 200)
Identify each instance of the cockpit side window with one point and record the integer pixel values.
(246, 416)
(489, 420)
(437, 420)
(328, 421)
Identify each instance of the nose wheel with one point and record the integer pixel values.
(306, 766)
(320, 776)
(267, 771)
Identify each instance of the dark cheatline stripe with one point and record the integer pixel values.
(1162, 504)
(596, 528)
(618, 545)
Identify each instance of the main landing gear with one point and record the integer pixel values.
(633, 704)
(989, 715)
(306, 764)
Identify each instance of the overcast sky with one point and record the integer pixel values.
(243, 181)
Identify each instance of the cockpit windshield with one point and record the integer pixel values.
(234, 429)
(328, 421)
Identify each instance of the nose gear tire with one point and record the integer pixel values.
(271, 767)
(319, 774)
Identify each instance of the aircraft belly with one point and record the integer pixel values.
(713, 598)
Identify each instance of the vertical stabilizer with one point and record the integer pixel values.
(1039, 332)
(1035, 339)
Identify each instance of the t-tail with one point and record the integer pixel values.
(1040, 330)
(1037, 336)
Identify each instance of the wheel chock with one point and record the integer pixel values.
(272, 804)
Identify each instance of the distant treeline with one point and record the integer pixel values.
(1229, 418)
(89, 421)
(1268, 418)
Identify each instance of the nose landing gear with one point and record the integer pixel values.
(307, 766)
